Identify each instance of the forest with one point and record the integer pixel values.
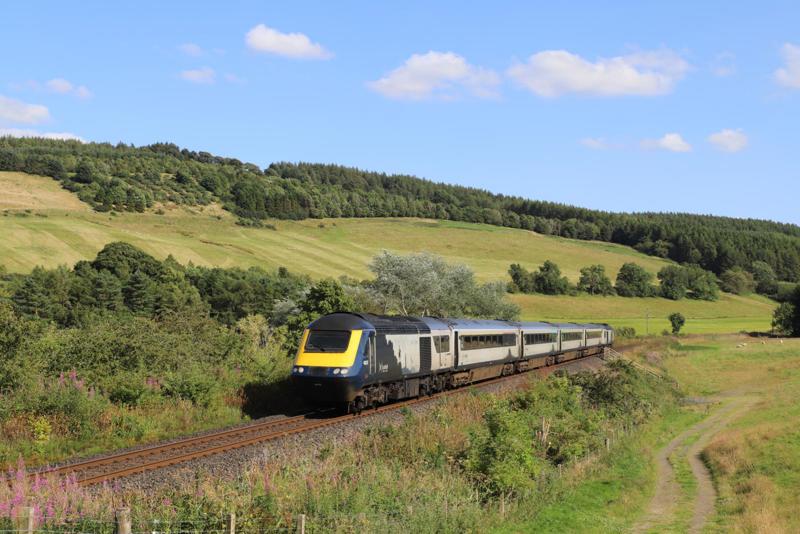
(127, 178)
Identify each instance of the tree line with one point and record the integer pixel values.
(632, 280)
(124, 177)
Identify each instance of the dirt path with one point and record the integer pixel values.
(664, 508)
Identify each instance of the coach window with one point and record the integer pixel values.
(445, 344)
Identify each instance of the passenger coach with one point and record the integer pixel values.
(360, 360)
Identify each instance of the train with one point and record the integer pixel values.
(360, 360)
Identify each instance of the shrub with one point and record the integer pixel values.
(594, 281)
(196, 386)
(737, 281)
(634, 281)
(625, 331)
(677, 320)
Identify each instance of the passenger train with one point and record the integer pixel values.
(358, 360)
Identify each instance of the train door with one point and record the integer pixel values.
(456, 349)
(372, 354)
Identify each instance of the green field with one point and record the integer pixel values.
(57, 229)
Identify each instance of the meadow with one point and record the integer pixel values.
(43, 224)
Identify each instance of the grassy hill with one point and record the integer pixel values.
(42, 224)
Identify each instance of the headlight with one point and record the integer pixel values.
(336, 371)
(300, 369)
(343, 371)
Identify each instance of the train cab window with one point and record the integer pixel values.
(327, 341)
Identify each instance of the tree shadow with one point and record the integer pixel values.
(275, 398)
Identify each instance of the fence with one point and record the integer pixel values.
(123, 524)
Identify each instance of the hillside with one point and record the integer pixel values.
(129, 178)
(61, 230)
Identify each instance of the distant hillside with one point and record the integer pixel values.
(127, 178)
(58, 230)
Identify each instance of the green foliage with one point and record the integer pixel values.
(677, 320)
(625, 331)
(765, 278)
(18, 368)
(702, 284)
(131, 178)
(674, 282)
(796, 318)
(594, 281)
(547, 280)
(737, 281)
(194, 385)
(557, 421)
(785, 291)
(634, 281)
(236, 293)
(783, 319)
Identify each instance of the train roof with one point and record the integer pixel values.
(422, 325)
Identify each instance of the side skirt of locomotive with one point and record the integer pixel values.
(374, 395)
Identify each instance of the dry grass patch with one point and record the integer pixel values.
(20, 191)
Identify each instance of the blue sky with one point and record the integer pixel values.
(639, 106)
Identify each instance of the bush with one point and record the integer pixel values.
(634, 281)
(677, 320)
(625, 332)
(737, 281)
(196, 386)
(594, 281)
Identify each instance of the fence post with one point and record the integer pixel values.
(503, 504)
(608, 444)
(24, 522)
(301, 524)
(123, 516)
(231, 526)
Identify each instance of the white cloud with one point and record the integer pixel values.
(16, 132)
(789, 75)
(262, 38)
(65, 87)
(59, 85)
(204, 75)
(552, 73)
(191, 49)
(12, 110)
(671, 141)
(729, 140)
(436, 75)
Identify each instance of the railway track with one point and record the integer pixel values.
(151, 458)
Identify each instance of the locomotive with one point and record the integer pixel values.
(358, 360)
